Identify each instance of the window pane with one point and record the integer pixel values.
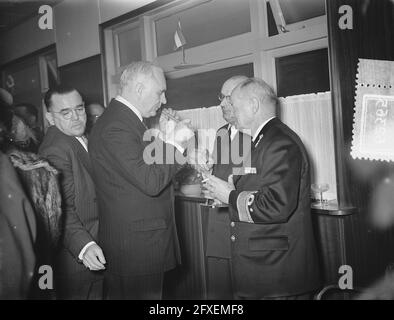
(208, 22)
(129, 46)
(272, 29)
(303, 73)
(300, 10)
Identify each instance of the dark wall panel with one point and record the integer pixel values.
(201, 90)
(86, 77)
(372, 37)
(303, 73)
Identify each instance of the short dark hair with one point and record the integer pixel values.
(60, 89)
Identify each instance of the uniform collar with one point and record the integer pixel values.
(259, 132)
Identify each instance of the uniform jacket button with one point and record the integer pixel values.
(232, 238)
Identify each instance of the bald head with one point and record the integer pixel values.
(94, 111)
(227, 89)
(254, 102)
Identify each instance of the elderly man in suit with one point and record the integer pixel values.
(272, 243)
(65, 147)
(227, 154)
(135, 196)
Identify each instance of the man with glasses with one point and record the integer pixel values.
(227, 138)
(64, 145)
(273, 250)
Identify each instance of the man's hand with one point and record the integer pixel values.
(174, 130)
(166, 116)
(217, 188)
(93, 258)
(200, 159)
(183, 133)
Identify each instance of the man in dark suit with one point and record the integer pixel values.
(65, 147)
(135, 195)
(227, 155)
(228, 136)
(272, 243)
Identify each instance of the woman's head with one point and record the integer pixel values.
(20, 131)
(27, 112)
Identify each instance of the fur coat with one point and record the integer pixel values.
(40, 181)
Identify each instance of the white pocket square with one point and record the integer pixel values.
(250, 170)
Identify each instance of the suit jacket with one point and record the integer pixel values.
(79, 206)
(136, 203)
(17, 235)
(223, 150)
(218, 231)
(273, 247)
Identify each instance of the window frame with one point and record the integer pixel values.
(290, 27)
(255, 47)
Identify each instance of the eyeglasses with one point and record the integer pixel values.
(67, 113)
(222, 97)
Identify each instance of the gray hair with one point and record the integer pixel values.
(256, 87)
(238, 78)
(135, 70)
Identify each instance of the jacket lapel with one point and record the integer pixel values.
(76, 146)
(270, 124)
(81, 153)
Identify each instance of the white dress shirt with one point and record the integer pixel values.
(233, 131)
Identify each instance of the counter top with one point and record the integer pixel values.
(190, 198)
(331, 209)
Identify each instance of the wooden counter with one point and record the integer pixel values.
(190, 281)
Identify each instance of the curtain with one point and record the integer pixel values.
(206, 121)
(310, 116)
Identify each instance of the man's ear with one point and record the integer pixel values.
(139, 89)
(255, 105)
(49, 118)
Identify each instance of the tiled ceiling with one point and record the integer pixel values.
(14, 12)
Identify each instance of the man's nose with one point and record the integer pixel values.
(163, 99)
(74, 115)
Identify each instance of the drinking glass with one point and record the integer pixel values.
(320, 188)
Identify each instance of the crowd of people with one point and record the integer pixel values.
(86, 201)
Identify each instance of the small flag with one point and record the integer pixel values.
(179, 38)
